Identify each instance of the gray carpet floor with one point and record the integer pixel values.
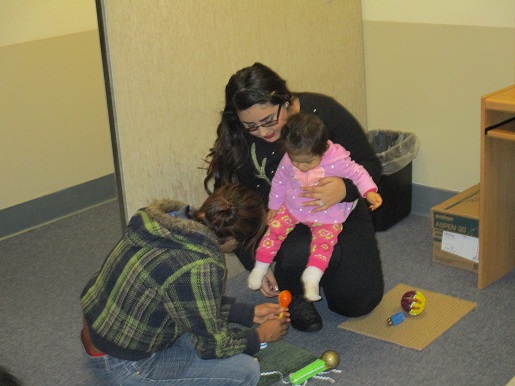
(42, 273)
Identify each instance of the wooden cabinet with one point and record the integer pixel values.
(497, 186)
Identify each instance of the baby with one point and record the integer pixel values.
(309, 157)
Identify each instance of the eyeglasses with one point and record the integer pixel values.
(250, 128)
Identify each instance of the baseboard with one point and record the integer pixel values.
(425, 197)
(37, 212)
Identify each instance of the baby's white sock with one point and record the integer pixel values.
(311, 279)
(257, 274)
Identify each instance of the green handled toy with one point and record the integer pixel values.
(329, 360)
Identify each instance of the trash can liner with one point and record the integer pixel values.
(395, 149)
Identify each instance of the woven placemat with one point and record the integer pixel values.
(417, 332)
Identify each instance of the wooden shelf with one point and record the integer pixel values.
(497, 183)
(506, 131)
(502, 100)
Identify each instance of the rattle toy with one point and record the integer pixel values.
(329, 360)
(284, 298)
(413, 302)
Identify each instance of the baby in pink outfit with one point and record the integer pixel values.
(309, 157)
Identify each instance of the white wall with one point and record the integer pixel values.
(427, 64)
(27, 20)
(448, 157)
(53, 113)
(491, 13)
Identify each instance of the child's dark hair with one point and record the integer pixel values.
(234, 211)
(305, 134)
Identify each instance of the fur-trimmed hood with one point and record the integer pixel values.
(159, 210)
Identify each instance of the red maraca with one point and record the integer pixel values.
(284, 298)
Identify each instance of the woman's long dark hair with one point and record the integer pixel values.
(257, 84)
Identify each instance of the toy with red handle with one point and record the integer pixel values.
(284, 298)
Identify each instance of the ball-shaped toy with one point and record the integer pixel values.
(413, 302)
(331, 359)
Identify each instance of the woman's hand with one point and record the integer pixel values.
(272, 330)
(269, 286)
(269, 311)
(329, 191)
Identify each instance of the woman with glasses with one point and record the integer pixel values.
(247, 150)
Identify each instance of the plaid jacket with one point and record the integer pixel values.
(165, 278)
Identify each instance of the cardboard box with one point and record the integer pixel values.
(459, 216)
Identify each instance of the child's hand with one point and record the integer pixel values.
(375, 200)
(271, 214)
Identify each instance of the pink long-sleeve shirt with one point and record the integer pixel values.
(336, 162)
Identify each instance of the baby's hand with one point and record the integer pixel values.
(375, 200)
(271, 214)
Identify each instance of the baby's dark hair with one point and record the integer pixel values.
(305, 133)
(234, 211)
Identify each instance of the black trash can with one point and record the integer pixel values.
(396, 151)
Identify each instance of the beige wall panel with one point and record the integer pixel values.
(53, 117)
(428, 79)
(497, 13)
(27, 20)
(170, 62)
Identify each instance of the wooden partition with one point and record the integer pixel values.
(167, 62)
